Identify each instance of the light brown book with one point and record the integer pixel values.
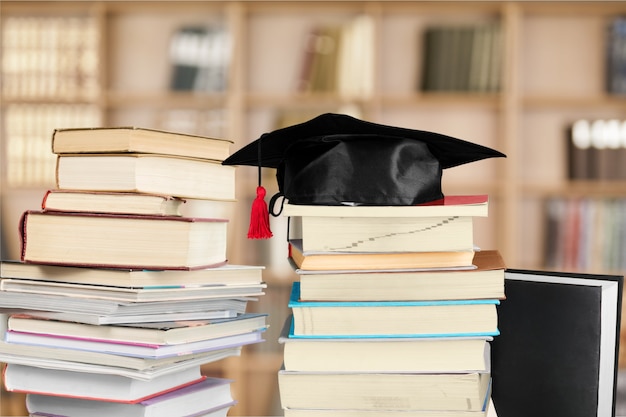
(337, 261)
(146, 173)
(485, 281)
(122, 241)
(111, 202)
(138, 140)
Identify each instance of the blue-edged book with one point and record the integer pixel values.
(384, 354)
(368, 319)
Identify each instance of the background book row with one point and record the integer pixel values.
(29, 160)
(586, 234)
(59, 57)
(455, 58)
(50, 57)
(462, 58)
(200, 58)
(28, 127)
(617, 56)
(596, 150)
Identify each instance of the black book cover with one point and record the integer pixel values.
(557, 352)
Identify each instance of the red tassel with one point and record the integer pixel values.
(259, 217)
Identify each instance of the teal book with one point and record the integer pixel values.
(371, 319)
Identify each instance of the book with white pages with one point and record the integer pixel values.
(61, 303)
(165, 293)
(141, 350)
(102, 363)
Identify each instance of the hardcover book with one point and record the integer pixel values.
(383, 234)
(110, 202)
(393, 391)
(351, 261)
(392, 318)
(559, 345)
(138, 140)
(182, 177)
(384, 354)
(123, 241)
(485, 281)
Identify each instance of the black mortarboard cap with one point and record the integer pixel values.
(336, 159)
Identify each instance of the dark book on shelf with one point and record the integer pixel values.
(616, 56)
(596, 150)
(199, 58)
(462, 58)
(558, 345)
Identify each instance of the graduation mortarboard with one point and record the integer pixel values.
(336, 159)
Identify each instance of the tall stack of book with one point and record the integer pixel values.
(393, 311)
(120, 297)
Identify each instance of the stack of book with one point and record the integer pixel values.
(393, 311)
(120, 297)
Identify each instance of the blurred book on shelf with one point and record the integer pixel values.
(200, 58)
(338, 58)
(29, 161)
(462, 58)
(585, 234)
(616, 56)
(596, 150)
(50, 57)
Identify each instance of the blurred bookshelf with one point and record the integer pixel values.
(237, 69)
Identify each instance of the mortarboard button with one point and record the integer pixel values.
(336, 159)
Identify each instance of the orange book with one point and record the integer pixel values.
(377, 260)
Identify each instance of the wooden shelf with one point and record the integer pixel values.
(541, 93)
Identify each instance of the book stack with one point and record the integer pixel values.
(393, 312)
(120, 297)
